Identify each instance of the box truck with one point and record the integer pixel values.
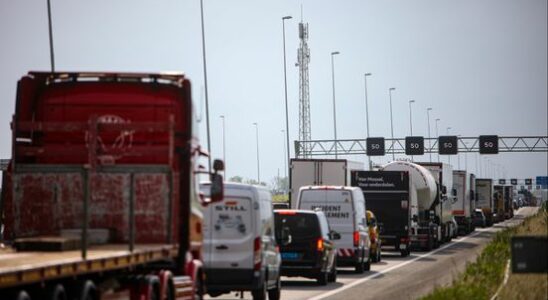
(464, 205)
(388, 195)
(484, 198)
(304, 172)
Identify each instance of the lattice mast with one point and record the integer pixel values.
(303, 60)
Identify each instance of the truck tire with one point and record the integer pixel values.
(57, 292)
(86, 290)
(150, 287)
(275, 293)
(22, 295)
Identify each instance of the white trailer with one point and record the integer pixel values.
(484, 198)
(304, 172)
(463, 206)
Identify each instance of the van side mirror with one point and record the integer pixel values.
(454, 192)
(217, 188)
(333, 235)
(432, 215)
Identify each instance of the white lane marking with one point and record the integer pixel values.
(507, 223)
(369, 277)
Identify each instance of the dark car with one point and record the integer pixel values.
(306, 244)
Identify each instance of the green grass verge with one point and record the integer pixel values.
(481, 279)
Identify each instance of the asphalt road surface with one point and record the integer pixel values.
(396, 277)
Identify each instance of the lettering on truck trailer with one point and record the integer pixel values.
(332, 211)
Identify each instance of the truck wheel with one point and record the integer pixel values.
(86, 290)
(57, 292)
(22, 295)
(430, 244)
(150, 287)
(275, 293)
(260, 293)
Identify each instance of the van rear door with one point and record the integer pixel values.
(338, 209)
(229, 234)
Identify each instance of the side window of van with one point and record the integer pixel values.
(324, 226)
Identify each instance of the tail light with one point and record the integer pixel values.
(356, 238)
(257, 255)
(319, 244)
(404, 240)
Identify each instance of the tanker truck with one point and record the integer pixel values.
(446, 196)
(425, 220)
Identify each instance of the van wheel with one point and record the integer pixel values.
(260, 293)
(274, 294)
(359, 267)
(323, 278)
(367, 265)
(332, 277)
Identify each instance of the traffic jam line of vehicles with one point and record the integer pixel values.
(102, 200)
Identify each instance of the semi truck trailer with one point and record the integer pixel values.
(446, 196)
(484, 198)
(306, 172)
(425, 224)
(464, 205)
(100, 197)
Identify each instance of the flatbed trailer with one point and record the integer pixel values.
(100, 198)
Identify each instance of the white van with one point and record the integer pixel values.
(240, 250)
(344, 207)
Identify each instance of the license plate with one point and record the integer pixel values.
(290, 255)
(403, 246)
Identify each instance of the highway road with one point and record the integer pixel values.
(395, 277)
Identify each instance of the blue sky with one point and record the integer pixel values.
(481, 65)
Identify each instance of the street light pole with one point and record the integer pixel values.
(285, 163)
(411, 116)
(224, 144)
(391, 122)
(437, 135)
(429, 141)
(367, 114)
(205, 85)
(334, 107)
(258, 166)
(50, 30)
(285, 90)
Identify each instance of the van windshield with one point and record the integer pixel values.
(299, 226)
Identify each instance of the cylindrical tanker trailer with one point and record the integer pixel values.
(426, 229)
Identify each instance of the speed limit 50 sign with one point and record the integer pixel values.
(489, 144)
(448, 145)
(414, 145)
(375, 146)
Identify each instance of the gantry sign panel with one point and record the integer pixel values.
(375, 146)
(414, 145)
(448, 145)
(380, 146)
(489, 144)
